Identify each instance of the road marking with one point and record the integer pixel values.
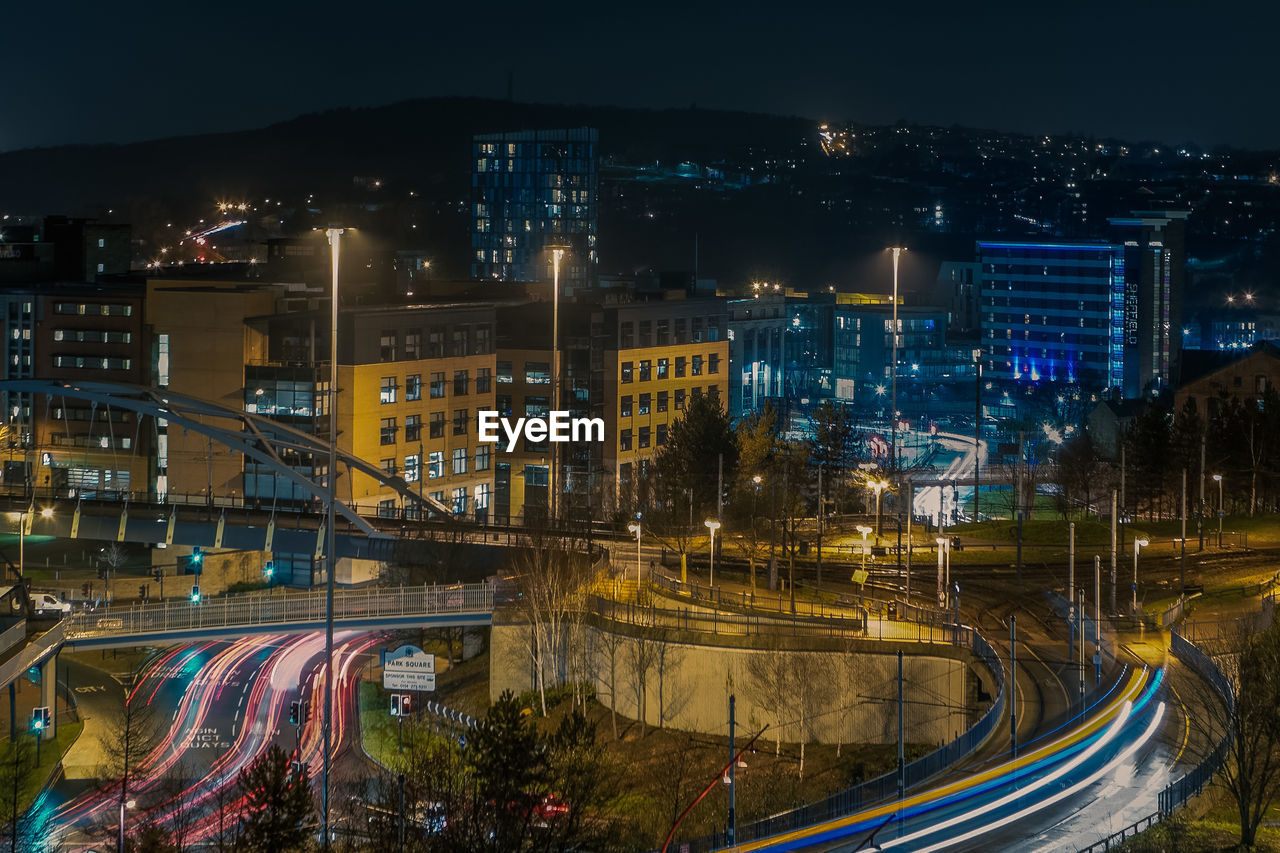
(1186, 722)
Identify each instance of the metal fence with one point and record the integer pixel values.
(882, 787)
(278, 606)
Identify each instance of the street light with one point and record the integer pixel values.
(944, 568)
(713, 526)
(1138, 545)
(893, 371)
(878, 486)
(557, 254)
(1217, 478)
(635, 528)
(335, 247)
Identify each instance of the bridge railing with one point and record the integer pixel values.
(279, 607)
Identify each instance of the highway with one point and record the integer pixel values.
(1048, 780)
(219, 705)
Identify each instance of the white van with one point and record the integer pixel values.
(44, 604)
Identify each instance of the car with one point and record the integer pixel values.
(43, 604)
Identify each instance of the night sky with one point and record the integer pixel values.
(98, 71)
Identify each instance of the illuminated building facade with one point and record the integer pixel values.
(530, 191)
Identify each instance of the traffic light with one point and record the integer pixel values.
(298, 712)
(195, 594)
(269, 568)
(142, 591)
(395, 705)
(158, 574)
(40, 718)
(404, 705)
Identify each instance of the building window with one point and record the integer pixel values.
(662, 401)
(624, 440)
(626, 371)
(644, 403)
(626, 337)
(483, 457)
(713, 391)
(662, 368)
(679, 399)
(459, 421)
(435, 464)
(664, 333)
(644, 437)
(389, 389)
(646, 333)
(413, 428)
(162, 361)
(682, 334)
(624, 409)
(484, 381)
(504, 373)
(697, 366)
(662, 435)
(413, 344)
(102, 267)
(436, 425)
(713, 365)
(679, 367)
(387, 508)
(412, 468)
(537, 373)
(437, 386)
(388, 466)
(482, 496)
(387, 345)
(644, 371)
(413, 387)
(459, 500)
(435, 342)
(461, 382)
(461, 341)
(388, 431)
(459, 460)
(695, 392)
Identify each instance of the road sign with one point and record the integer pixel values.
(859, 576)
(408, 668)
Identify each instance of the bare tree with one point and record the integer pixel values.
(668, 657)
(611, 645)
(769, 685)
(16, 775)
(132, 733)
(643, 653)
(552, 575)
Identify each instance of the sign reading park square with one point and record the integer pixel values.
(408, 668)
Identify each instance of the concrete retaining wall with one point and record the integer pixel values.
(842, 690)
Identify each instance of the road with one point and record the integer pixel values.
(217, 706)
(987, 809)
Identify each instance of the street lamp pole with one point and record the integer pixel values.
(713, 526)
(335, 243)
(1138, 545)
(1217, 478)
(977, 428)
(635, 528)
(557, 254)
(893, 370)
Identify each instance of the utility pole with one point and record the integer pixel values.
(1097, 617)
(733, 773)
(910, 502)
(1080, 615)
(1113, 550)
(1122, 503)
(1071, 561)
(1200, 511)
(977, 429)
(819, 569)
(893, 371)
(1182, 557)
(1013, 686)
(902, 765)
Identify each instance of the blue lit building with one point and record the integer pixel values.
(1053, 312)
(529, 191)
(1103, 315)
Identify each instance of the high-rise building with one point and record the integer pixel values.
(1104, 315)
(1052, 312)
(1155, 276)
(530, 191)
(757, 326)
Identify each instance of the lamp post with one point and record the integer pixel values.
(893, 370)
(977, 428)
(878, 486)
(557, 253)
(1138, 545)
(1217, 478)
(635, 528)
(944, 568)
(335, 244)
(713, 526)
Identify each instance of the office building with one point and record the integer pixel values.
(1155, 278)
(756, 328)
(530, 191)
